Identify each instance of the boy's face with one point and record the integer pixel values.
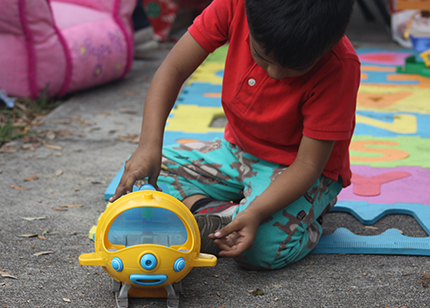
(267, 63)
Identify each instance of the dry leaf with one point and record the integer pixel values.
(9, 276)
(27, 146)
(47, 232)
(53, 147)
(22, 107)
(65, 132)
(127, 92)
(34, 218)
(8, 150)
(72, 206)
(50, 135)
(34, 146)
(98, 182)
(5, 274)
(370, 227)
(28, 235)
(67, 300)
(31, 178)
(42, 253)
(59, 172)
(135, 139)
(129, 111)
(59, 208)
(40, 237)
(62, 121)
(256, 292)
(18, 187)
(103, 113)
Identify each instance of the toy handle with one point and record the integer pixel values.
(91, 259)
(409, 26)
(205, 260)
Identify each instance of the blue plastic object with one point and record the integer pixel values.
(147, 225)
(148, 280)
(117, 264)
(179, 264)
(148, 261)
(388, 242)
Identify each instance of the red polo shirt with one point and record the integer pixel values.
(267, 117)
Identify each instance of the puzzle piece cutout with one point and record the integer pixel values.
(371, 186)
(394, 99)
(383, 124)
(193, 119)
(410, 188)
(390, 152)
(389, 242)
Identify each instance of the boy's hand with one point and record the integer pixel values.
(238, 236)
(142, 163)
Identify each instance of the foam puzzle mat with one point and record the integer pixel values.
(389, 151)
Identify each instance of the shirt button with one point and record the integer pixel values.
(251, 82)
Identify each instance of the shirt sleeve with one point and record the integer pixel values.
(211, 28)
(329, 112)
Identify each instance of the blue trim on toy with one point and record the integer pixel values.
(148, 280)
(179, 265)
(388, 242)
(117, 264)
(148, 261)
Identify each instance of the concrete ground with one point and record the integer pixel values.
(85, 147)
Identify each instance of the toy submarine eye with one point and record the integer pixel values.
(179, 264)
(117, 264)
(148, 261)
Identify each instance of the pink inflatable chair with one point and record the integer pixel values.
(65, 45)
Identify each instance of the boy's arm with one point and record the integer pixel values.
(289, 186)
(180, 63)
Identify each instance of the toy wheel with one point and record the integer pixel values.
(116, 286)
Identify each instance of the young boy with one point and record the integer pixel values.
(289, 93)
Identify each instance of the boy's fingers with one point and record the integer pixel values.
(153, 182)
(230, 228)
(121, 190)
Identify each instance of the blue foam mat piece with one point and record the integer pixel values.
(343, 241)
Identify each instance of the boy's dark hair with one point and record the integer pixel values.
(298, 32)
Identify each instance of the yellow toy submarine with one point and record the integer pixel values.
(147, 241)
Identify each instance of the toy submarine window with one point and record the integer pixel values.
(147, 225)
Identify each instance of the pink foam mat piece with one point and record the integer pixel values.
(371, 186)
(388, 185)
